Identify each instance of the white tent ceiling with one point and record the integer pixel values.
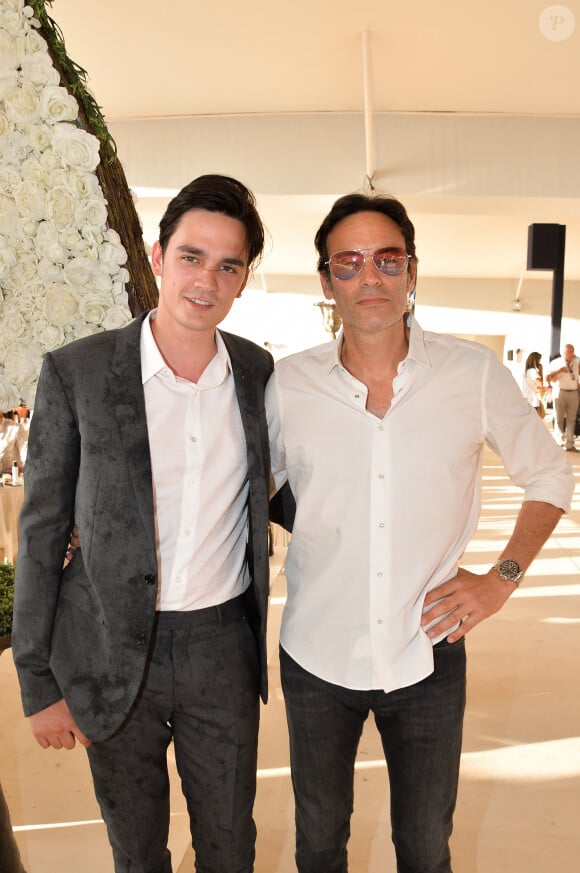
(474, 114)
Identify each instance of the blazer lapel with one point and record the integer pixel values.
(250, 396)
(128, 406)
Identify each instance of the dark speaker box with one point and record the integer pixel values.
(545, 246)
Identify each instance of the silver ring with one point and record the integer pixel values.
(464, 619)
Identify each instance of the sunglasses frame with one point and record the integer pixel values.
(369, 253)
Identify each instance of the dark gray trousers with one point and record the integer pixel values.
(9, 855)
(202, 692)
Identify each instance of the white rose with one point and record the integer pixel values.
(120, 294)
(117, 316)
(46, 238)
(14, 5)
(23, 361)
(6, 126)
(85, 184)
(38, 69)
(81, 271)
(34, 42)
(12, 324)
(32, 169)
(94, 307)
(60, 304)
(11, 22)
(9, 216)
(56, 104)
(71, 239)
(76, 147)
(39, 136)
(26, 301)
(13, 148)
(30, 200)
(50, 271)
(93, 239)
(49, 160)
(7, 257)
(9, 393)
(92, 212)
(22, 104)
(80, 329)
(10, 181)
(50, 336)
(60, 207)
(8, 77)
(25, 270)
(113, 256)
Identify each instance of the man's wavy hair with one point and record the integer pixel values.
(222, 194)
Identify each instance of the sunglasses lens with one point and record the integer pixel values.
(346, 265)
(391, 262)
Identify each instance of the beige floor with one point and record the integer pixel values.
(519, 801)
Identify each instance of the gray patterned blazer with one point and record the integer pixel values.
(84, 633)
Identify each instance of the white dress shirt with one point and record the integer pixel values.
(567, 381)
(200, 480)
(386, 507)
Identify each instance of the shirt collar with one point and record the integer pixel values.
(417, 350)
(152, 361)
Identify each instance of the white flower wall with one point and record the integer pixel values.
(61, 267)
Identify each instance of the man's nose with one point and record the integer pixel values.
(369, 273)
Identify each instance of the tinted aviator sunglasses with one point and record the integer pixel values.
(388, 261)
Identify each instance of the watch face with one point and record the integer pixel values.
(509, 570)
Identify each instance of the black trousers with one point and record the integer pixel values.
(202, 692)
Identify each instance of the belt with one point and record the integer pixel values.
(231, 610)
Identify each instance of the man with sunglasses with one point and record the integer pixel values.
(380, 435)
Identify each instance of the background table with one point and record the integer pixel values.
(11, 497)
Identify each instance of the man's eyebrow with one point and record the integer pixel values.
(194, 250)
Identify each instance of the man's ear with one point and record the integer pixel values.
(326, 286)
(156, 258)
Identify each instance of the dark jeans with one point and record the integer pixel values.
(421, 729)
(201, 691)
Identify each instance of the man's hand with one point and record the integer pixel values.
(74, 543)
(468, 598)
(55, 726)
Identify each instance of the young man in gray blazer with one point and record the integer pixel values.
(152, 440)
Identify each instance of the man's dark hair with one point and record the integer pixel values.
(350, 204)
(216, 193)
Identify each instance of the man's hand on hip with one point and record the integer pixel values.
(468, 599)
(55, 727)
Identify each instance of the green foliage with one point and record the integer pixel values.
(6, 598)
(75, 78)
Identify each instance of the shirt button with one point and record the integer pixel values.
(382, 524)
(178, 578)
(150, 578)
(381, 427)
(193, 439)
(379, 574)
(380, 621)
(381, 476)
(187, 533)
(140, 639)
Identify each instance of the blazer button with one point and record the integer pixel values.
(150, 578)
(140, 639)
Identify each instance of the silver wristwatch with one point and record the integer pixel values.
(509, 570)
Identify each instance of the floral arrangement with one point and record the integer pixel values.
(61, 265)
